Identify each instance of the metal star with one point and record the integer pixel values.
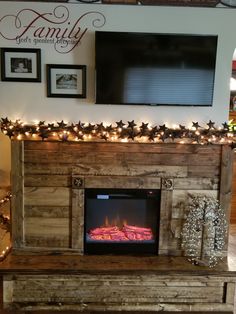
(182, 127)
(120, 124)
(61, 124)
(211, 124)
(109, 128)
(144, 126)
(100, 127)
(225, 126)
(131, 124)
(41, 123)
(132, 135)
(10, 133)
(43, 134)
(152, 136)
(80, 126)
(80, 136)
(163, 128)
(90, 127)
(5, 121)
(195, 125)
(104, 137)
(50, 125)
(154, 129)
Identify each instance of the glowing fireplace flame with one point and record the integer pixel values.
(114, 230)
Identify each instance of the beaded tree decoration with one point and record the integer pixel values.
(204, 231)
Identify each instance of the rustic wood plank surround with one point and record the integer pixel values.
(48, 269)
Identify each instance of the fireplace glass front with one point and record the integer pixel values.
(121, 221)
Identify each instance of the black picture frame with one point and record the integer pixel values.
(21, 65)
(65, 80)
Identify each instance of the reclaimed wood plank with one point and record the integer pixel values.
(66, 157)
(17, 201)
(122, 182)
(47, 211)
(204, 171)
(230, 293)
(131, 170)
(47, 169)
(45, 180)
(226, 179)
(53, 244)
(157, 307)
(165, 218)
(122, 147)
(48, 196)
(77, 227)
(39, 226)
(196, 183)
(105, 169)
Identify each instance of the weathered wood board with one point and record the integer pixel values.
(48, 211)
(130, 292)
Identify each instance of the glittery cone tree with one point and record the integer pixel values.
(204, 231)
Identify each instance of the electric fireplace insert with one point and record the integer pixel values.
(121, 221)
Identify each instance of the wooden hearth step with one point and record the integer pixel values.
(107, 312)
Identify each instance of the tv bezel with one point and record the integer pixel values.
(157, 104)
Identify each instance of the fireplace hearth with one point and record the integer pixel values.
(121, 221)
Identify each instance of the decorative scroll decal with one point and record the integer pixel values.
(56, 27)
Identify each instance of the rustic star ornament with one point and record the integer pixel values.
(50, 125)
(41, 123)
(80, 126)
(100, 127)
(225, 126)
(120, 124)
(211, 124)
(5, 121)
(163, 128)
(109, 128)
(195, 125)
(61, 124)
(131, 124)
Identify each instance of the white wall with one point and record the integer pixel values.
(28, 101)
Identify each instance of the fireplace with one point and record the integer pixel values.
(58, 200)
(121, 221)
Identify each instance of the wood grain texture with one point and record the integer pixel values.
(77, 222)
(17, 201)
(226, 183)
(233, 199)
(49, 194)
(116, 292)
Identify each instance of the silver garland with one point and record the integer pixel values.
(204, 231)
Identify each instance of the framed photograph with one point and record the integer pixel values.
(21, 65)
(66, 80)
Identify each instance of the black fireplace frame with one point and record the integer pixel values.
(124, 248)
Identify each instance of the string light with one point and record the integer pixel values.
(122, 132)
(5, 223)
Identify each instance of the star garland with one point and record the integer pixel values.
(204, 231)
(121, 132)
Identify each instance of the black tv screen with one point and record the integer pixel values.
(155, 69)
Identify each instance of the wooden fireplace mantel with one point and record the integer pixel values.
(47, 268)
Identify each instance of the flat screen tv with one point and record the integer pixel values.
(155, 69)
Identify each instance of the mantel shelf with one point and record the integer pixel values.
(67, 264)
